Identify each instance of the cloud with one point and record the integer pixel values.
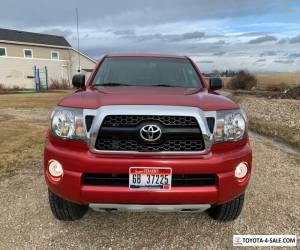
(249, 34)
(214, 36)
(269, 53)
(294, 55)
(199, 27)
(220, 42)
(208, 61)
(261, 60)
(285, 61)
(282, 41)
(219, 53)
(134, 12)
(124, 32)
(295, 39)
(189, 36)
(57, 31)
(196, 35)
(263, 39)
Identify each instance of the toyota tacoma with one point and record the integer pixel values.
(147, 133)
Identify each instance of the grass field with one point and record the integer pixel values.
(35, 100)
(23, 123)
(276, 79)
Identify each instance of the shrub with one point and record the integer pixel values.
(292, 93)
(3, 89)
(56, 84)
(15, 87)
(277, 87)
(243, 80)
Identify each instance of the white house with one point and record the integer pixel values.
(21, 52)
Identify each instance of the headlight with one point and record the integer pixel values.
(230, 125)
(67, 123)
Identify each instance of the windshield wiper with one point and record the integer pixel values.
(113, 84)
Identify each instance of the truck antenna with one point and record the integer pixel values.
(78, 45)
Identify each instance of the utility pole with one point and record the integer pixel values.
(78, 45)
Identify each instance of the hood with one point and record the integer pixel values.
(93, 98)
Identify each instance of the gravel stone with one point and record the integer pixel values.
(275, 111)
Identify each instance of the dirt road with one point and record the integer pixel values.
(272, 200)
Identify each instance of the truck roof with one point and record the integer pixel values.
(147, 55)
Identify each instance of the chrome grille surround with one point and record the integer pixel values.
(104, 111)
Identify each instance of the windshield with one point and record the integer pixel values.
(142, 71)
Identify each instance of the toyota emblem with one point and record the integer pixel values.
(150, 133)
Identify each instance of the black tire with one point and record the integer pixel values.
(65, 210)
(227, 211)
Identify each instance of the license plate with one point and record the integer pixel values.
(150, 178)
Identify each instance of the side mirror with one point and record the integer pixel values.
(215, 83)
(78, 81)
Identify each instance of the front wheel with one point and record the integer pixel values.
(227, 211)
(65, 210)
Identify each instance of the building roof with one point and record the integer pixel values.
(29, 37)
(86, 56)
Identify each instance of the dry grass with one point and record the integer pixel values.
(278, 131)
(276, 87)
(277, 118)
(20, 143)
(35, 100)
(2, 88)
(273, 82)
(56, 84)
(22, 135)
(289, 79)
(226, 81)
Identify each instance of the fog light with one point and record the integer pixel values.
(55, 168)
(241, 170)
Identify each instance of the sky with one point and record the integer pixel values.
(257, 35)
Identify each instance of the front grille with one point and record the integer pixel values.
(133, 120)
(183, 144)
(122, 180)
(122, 133)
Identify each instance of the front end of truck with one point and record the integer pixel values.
(147, 157)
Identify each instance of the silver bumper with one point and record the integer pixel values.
(152, 208)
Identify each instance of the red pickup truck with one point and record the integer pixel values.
(147, 133)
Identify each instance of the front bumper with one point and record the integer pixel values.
(76, 159)
(151, 208)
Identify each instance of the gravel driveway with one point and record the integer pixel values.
(276, 118)
(272, 207)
